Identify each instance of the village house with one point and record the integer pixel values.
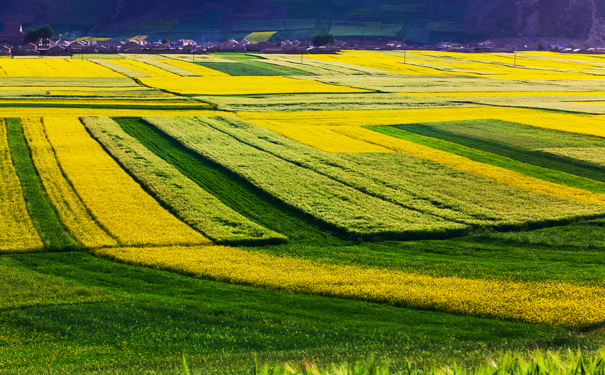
(12, 34)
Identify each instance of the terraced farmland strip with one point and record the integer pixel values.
(187, 200)
(17, 232)
(383, 137)
(487, 157)
(114, 199)
(69, 207)
(45, 219)
(233, 191)
(330, 201)
(542, 303)
(537, 158)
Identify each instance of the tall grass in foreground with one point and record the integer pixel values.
(536, 363)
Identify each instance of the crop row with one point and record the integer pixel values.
(45, 219)
(194, 205)
(17, 232)
(116, 201)
(70, 209)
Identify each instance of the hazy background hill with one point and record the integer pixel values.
(422, 21)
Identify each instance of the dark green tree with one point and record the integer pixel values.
(323, 40)
(41, 33)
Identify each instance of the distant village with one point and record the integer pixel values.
(12, 44)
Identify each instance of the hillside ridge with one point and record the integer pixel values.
(414, 20)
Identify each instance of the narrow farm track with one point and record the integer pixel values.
(44, 217)
(229, 188)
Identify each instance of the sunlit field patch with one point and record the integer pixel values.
(61, 68)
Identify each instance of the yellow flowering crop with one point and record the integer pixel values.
(381, 61)
(68, 205)
(17, 232)
(139, 66)
(544, 303)
(326, 139)
(243, 85)
(500, 66)
(118, 203)
(195, 68)
(63, 68)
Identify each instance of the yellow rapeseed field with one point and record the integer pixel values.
(17, 232)
(501, 66)
(68, 205)
(544, 303)
(242, 85)
(114, 199)
(61, 68)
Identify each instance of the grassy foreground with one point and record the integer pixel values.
(133, 320)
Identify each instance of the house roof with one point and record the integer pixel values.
(12, 30)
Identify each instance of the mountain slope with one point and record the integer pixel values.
(416, 20)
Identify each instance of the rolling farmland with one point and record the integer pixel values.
(432, 206)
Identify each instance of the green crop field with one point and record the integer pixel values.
(358, 213)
